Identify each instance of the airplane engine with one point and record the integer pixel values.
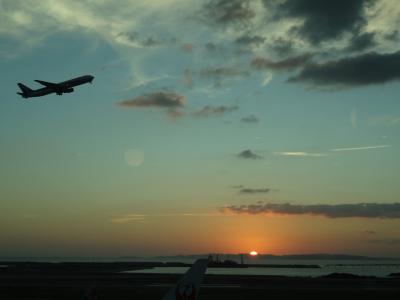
(69, 90)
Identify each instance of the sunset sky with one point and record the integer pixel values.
(211, 126)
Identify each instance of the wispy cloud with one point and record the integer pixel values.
(267, 79)
(360, 148)
(287, 64)
(129, 218)
(300, 154)
(144, 218)
(250, 119)
(362, 210)
(254, 191)
(209, 110)
(223, 12)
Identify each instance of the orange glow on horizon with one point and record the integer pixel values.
(253, 253)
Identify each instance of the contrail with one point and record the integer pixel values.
(360, 148)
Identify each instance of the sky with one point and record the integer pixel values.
(211, 126)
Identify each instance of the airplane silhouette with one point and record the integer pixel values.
(58, 88)
(187, 288)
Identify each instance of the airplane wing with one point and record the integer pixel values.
(48, 84)
(188, 287)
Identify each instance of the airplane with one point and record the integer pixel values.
(58, 88)
(188, 287)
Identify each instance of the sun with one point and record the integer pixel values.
(253, 253)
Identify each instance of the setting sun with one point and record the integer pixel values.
(253, 253)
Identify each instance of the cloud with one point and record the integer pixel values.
(134, 157)
(286, 64)
(362, 42)
(130, 218)
(254, 191)
(250, 119)
(322, 20)
(226, 12)
(218, 72)
(248, 154)
(300, 154)
(394, 36)
(365, 69)
(211, 47)
(267, 79)
(144, 218)
(239, 186)
(133, 39)
(170, 101)
(159, 99)
(247, 40)
(282, 47)
(210, 111)
(360, 148)
(361, 210)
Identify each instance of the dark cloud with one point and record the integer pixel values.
(151, 42)
(365, 69)
(362, 42)
(394, 36)
(254, 191)
(209, 110)
(286, 64)
(171, 101)
(250, 119)
(135, 38)
(362, 210)
(211, 47)
(159, 99)
(282, 47)
(323, 20)
(248, 154)
(226, 12)
(247, 40)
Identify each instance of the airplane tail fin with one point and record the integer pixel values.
(188, 287)
(25, 90)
